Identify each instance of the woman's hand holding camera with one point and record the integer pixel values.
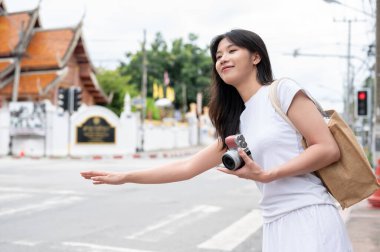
(250, 170)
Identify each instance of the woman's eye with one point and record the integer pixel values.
(232, 51)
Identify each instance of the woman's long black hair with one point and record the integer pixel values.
(226, 105)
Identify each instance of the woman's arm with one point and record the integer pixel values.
(172, 172)
(322, 149)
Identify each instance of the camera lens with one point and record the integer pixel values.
(232, 160)
(228, 162)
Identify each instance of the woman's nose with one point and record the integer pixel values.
(223, 58)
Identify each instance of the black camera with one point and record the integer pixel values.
(231, 159)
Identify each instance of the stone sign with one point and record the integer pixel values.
(95, 129)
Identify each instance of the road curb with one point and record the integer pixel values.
(139, 155)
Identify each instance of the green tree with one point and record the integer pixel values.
(191, 68)
(158, 62)
(187, 64)
(117, 85)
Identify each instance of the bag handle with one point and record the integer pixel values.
(277, 105)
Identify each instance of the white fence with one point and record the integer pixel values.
(42, 130)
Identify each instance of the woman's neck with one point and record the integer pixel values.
(248, 88)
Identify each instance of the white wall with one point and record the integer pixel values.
(125, 133)
(162, 137)
(128, 136)
(57, 137)
(31, 146)
(4, 129)
(58, 143)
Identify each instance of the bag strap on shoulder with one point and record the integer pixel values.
(276, 102)
(277, 105)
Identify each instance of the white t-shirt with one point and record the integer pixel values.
(273, 142)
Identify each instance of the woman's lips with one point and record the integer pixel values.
(226, 68)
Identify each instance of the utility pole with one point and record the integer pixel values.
(18, 52)
(184, 98)
(16, 80)
(349, 90)
(377, 87)
(143, 90)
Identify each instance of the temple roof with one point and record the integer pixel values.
(6, 66)
(92, 86)
(45, 53)
(50, 49)
(34, 83)
(11, 26)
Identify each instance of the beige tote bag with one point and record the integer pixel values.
(351, 179)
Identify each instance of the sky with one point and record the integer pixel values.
(114, 27)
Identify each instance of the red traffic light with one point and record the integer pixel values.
(362, 95)
(362, 103)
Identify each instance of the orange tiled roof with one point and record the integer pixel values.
(32, 83)
(90, 83)
(4, 64)
(47, 49)
(10, 27)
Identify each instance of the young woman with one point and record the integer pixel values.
(299, 215)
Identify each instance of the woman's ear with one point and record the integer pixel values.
(256, 58)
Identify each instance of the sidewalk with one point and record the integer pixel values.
(163, 153)
(169, 153)
(363, 226)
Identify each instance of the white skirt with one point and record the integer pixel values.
(316, 228)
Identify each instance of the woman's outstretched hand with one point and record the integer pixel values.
(251, 170)
(101, 177)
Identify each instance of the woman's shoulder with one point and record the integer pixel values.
(286, 91)
(287, 82)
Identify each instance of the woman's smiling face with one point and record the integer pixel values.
(233, 63)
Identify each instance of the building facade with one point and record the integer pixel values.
(36, 62)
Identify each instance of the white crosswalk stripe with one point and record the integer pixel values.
(15, 200)
(172, 223)
(40, 206)
(35, 191)
(230, 237)
(13, 197)
(81, 246)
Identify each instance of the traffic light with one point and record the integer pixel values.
(362, 102)
(77, 98)
(63, 98)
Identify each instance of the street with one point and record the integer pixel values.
(45, 205)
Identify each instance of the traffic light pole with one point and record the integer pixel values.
(69, 100)
(143, 91)
(376, 113)
(70, 93)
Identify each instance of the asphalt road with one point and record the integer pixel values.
(46, 206)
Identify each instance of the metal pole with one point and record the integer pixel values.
(16, 80)
(349, 99)
(18, 57)
(350, 90)
(70, 101)
(376, 87)
(184, 98)
(377, 67)
(143, 90)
